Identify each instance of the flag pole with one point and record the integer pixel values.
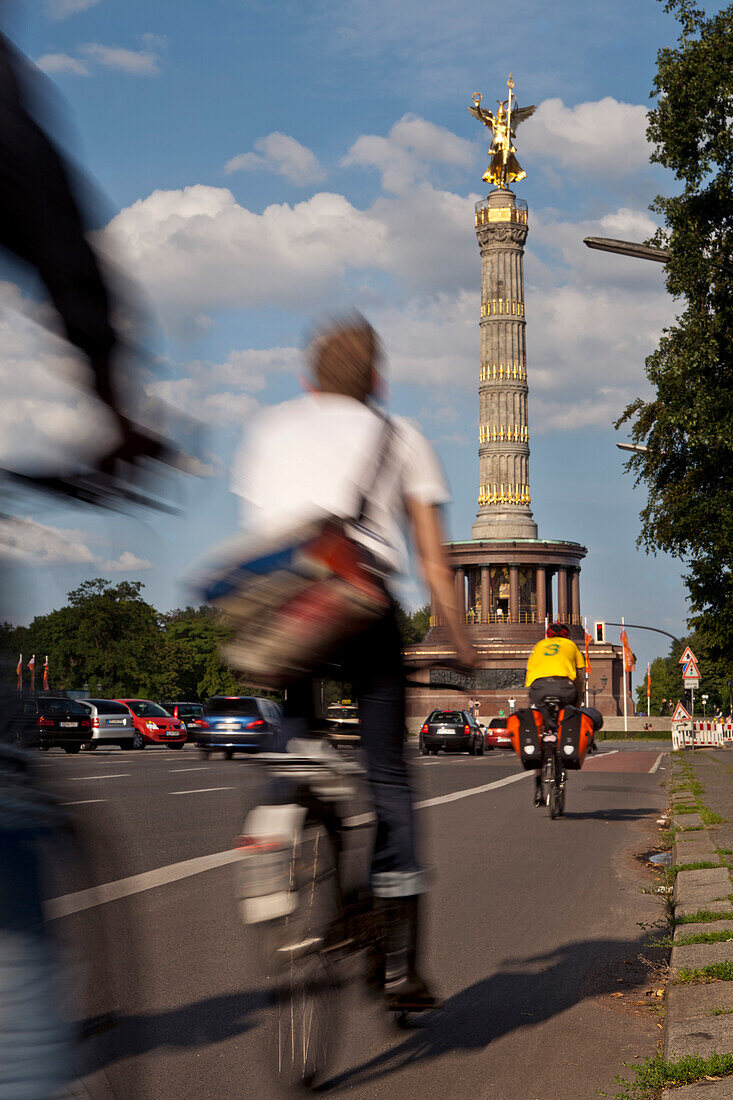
(626, 715)
(648, 690)
(585, 639)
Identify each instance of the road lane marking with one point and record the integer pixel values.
(77, 778)
(656, 764)
(68, 904)
(84, 802)
(205, 768)
(203, 790)
(456, 795)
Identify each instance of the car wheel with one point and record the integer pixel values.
(434, 751)
(127, 744)
(89, 746)
(473, 748)
(228, 754)
(138, 741)
(43, 748)
(204, 754)
(72, 748)
(424, 749)
(178, 746)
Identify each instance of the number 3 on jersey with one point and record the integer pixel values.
(551, 650)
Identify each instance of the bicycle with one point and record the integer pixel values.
(553, 775)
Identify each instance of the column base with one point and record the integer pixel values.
(504, 523)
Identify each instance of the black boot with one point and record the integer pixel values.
(398, 924)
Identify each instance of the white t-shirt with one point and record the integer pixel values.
(314, 457)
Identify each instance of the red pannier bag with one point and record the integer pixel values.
(574, 735)
(526, 728)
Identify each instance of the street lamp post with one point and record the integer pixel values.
(594, 691)
(704, 706)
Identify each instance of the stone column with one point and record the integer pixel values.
(461, 591)
(434, 617)
(485, 593)
(562, 593)
(541, 584)
(548, 590)
(514, 593)
(575, 594)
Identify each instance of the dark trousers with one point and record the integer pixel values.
(372, 663)
(559, 687)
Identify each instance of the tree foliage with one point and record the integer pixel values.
(687, 426)
(716, 677)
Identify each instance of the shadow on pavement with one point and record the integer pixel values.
(616, 814)
(526, 993)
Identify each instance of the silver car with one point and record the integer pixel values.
(111, 723)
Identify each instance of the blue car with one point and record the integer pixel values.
(238, 723)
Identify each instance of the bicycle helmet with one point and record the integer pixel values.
(558, 630)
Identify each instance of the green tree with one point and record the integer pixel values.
(687, 425)
(413, 625)
(716, 673)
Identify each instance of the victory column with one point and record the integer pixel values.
(508, 581)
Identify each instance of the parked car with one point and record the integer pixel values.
(343, 724)
(111, 724)
(50, 721)
(496, 735)
(238, 723)
(154, 725)
(191, 714)
(452, 731)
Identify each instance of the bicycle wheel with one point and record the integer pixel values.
(305, 964)
(553, 800)
(548, 778)
(561, 778)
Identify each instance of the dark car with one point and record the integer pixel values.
(191, 714)
(50, 721)
(452, 731)
(496, 734)
(238, 723)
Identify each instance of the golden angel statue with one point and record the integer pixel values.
(504, 168)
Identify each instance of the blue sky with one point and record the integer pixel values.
(260, 163)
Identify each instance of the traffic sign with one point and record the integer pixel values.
(687, 656)
(691, 671)
(681, 714)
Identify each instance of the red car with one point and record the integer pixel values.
(153, 725)
(496, 735)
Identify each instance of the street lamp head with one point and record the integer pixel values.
(604, 681)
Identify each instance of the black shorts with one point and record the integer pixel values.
(559, 687)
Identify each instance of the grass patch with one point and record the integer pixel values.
(702, 916)
(710, 818)
(693, 809)
(714, 972)
(723, 936)
(656, 1073)
(720, 1011)
(724, 851)
(637, 735)
(667, 838)
(700, 865)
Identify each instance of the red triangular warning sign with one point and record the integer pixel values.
(680, 714)
(687, 656)
(691, 671)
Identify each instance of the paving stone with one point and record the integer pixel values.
(688, 909)
(683, 930)
(689, 1002)
(702, 1090)
(701, 954)
(699, 1036)
(717, 879)
(688, 821)
(692, 851)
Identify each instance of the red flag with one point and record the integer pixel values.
(45, 674)
(19, 671)
(588, 641)
(629, 659)
(32, 667)
(648, 681)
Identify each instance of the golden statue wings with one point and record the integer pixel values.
(504, 167)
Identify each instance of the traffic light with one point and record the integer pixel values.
(599, 632)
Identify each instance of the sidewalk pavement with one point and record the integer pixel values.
(699, 1016)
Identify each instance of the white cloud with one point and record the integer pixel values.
(411, 146)
(56, 64)
(127, 562)
(145, 62)
(599, 138)
(34, 543)
(63, 9)
(282, 154)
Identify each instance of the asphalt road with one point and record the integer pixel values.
(532, 931)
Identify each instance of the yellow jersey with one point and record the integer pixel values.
(554, 657)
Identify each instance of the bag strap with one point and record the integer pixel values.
(385, 442)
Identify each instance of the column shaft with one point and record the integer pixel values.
(514, 593)
(461, 591)
(541, 584)
(485, 594)
(562, 593)
(575, 595)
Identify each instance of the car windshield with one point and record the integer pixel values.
(107, 706)
(189, 711)
(343, 712)
(62, 706)
(145, 709)
(240, 708)
(497, 724)
(446, 716)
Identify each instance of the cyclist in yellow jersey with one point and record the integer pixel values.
(556, 668)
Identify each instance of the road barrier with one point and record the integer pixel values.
(701, 733)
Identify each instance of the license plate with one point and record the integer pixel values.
(69, 725)
(172, 733)
(442, 732)
(116, 722)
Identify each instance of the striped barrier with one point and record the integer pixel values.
(700, 734)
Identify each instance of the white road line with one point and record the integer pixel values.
(84, 802)
(67, 904)
(607, 752)
(456, 795)
(656, 764)
(78, 778)
(174, 771)
(203, 790)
